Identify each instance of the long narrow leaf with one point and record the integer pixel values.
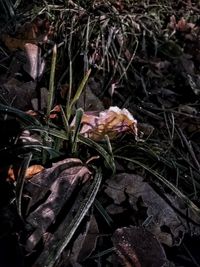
(107, 157)
(78, 93)
(79, 115)
(103, 213)
(51, 82)
(20, 181)
(27, 119)
(29, 147)
(54, 132)
(69, 95)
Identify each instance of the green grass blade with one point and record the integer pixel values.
(53, 132)
(109, 144)
(103, 213)
(19, 149)
(20, 181)
(51, 82)
(65, 120)
(69, 95)
(107, 157)
(78, 93)
(25, 118)
(78, 118)
(103, 253)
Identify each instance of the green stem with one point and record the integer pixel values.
(51, 82)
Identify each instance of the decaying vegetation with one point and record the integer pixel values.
(100, 125)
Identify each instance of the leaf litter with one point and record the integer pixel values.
(123, 84)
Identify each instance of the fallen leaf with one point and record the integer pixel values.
(137, 247)
(57, 183)
(31, 113)
(85, 243)
(89, 101)
(111, 122)
(32, 170)
(13, 43)
(115, 209)
(187, 109)
(184, 26)
(27, 34)
(31, 32)
(132, 187)
(34, 65)
(18, 94)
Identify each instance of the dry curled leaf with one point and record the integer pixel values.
(111, 122)
(32, 170)
(34, 32)
(184, 26)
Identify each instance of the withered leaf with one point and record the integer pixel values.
(18, 94)
(31, 32)
(184, 26)
(162, 213)
(34, 65)
(111, 122)
(89, 101)
(85, 243)
(32, 170)
(137, 247)
(53, 187)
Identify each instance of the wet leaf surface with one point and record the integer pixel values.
(137, 247)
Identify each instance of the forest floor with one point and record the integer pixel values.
(100, 133)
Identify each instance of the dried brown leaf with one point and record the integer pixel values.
(111, 122)
(31, 32)
(32, 170)
(184, 26)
